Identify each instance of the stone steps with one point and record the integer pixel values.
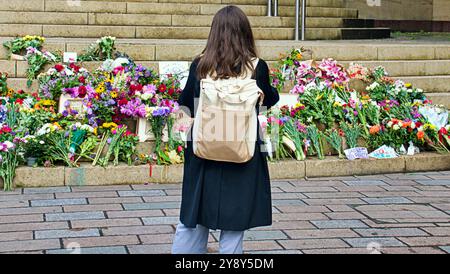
(176, 19)
(165, 8)
(185, 50)
(118, 19)
(425, 65)
(310, 3)
(419, 68)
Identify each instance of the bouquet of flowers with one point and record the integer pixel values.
(61, 79)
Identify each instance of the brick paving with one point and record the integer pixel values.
(393, 213)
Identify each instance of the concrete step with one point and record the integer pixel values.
(162, 32)
(433, 84)
(436, 84)
(17, 69)
(164, 8)
(309, 3)
(342, 50)
(121, 5)
(440, 98)
(119, 19)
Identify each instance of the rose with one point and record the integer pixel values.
(82, 91)
(59, 67)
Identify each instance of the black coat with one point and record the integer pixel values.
(222, 195)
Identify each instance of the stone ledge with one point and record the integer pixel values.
(288, 169)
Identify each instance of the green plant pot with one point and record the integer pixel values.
(31, 161)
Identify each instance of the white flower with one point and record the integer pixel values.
(389, 124)
(41, 142)
(9, 145)
(400, 124)
(146, 96)
(413, 125)
(68, 72)
(373, 86)
(396, 127)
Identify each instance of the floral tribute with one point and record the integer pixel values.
(330, 112)
(330, 116)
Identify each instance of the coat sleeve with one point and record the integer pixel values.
(187, 95)
(271, 96)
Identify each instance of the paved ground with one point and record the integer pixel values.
(399, 213)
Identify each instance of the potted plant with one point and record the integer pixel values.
(34, 149)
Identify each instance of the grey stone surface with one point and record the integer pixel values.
(144, 193)
(91, 250)
(387, 200)
(89, 215)
(59, 202)
(434, 182)
(287, 202)
(339, 224)
(161, 220)
(65, 233)
(365, 183)
(160, 205)
(373, 242)
(445, 248)
(62, 189)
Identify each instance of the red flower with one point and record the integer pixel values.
(162, 88)
(171, 91)
(123, 102)
(59, 67)
(134, 88)
(20, 91)
(82, 91)
(19, 101)
(74, 67)
(82, 80)
(180, 149)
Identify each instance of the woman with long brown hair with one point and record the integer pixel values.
(219, 195)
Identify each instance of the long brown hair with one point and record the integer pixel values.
(230, 47)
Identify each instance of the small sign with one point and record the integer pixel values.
(70, 57)
(288, 100)
(356, 153)
(180, 69)
(384, 152)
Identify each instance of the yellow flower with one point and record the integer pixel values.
(337, 104)
(319, 97)
(101, 88)
(109, 125)
(299, 105)
(408, 85)
(114, 94)
(95, 131)
(174, 157)
(298, 56)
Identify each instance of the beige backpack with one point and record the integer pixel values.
(225, 125)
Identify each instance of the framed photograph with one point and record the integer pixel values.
(74, 104)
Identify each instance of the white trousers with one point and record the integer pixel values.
(195, 241)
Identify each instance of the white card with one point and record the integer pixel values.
(70, 57)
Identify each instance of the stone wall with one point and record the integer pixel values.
(422, 10)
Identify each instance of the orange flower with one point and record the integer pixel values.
(375, 129)
(406, 124)
(420, 135)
